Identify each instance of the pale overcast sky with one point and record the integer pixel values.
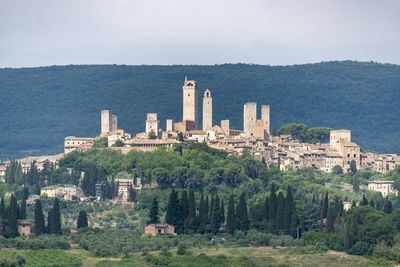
(274, 32)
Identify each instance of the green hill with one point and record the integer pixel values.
(40, 106)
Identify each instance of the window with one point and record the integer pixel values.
(355, 155)
(348, 155)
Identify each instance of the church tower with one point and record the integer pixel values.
(207, 110)
(190, 102)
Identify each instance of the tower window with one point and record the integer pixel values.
(188, 94)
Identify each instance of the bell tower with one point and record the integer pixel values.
(207, 110)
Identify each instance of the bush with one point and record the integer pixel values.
(181, 249)
(389, 253)
(359, 248)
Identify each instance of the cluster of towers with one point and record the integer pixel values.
(252, 127)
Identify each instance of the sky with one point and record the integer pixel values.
(205, 32)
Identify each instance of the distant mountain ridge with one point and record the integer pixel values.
(40, 106)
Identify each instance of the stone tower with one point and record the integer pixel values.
(265, 117)
(106, 121)
(170, 125)
(114, 123)
(207, 110)
(250, 119)
(190, 102)
(152, 123)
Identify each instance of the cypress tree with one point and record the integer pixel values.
(12, 218)
(132, 194)
(22, 212)
(242, 214)
(293, 225)
(39, 227)
(222, 212)
(82, 220)
(353, 204)
(192, 204)
(371, 203)
(266, 209)
(330, 220)
(206, 208)
(230, 220)
(288, 211)
(50, 219)
(280, 212)
(273, 204)
(171, 216)
(2, 209)
(202, 214)
(364, 201)
(211, 209)
(56, 218)
(154, 211)
(215, 217)
(350, 236)
(387, 208)
(184, 204)
(326, 205)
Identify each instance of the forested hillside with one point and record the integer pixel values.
(40, 106)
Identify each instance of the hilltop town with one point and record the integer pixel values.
(255, 138)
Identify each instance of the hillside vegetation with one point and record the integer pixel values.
(40, 106)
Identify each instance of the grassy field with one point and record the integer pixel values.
(198, 257)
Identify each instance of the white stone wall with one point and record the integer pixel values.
(106, 121)
(190, 102)
(265, 117)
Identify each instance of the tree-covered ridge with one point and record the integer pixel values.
(40, 106)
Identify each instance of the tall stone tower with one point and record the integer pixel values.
(207, 110)
(152, 123)
(250, 118)
(190, 102)
(106, 121)
(114, 123)
(265, 117)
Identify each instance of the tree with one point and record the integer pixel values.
(132, 194)
(39, 227)
(273, 203)
(330, 220)
(119, 143)
(192, 204)
(364, 201)
(230, 220)
(174, 211)
(350, 237)
(266, 209)
(242, 214)
(11, 222)
(22, 210)
(326, 205)
(180, 137)
(387, 208)
(337, 170)
(297, 131)
(184, 204)
(154, 212)
(280, 212)
(152, 135)
(288, 211)
(100, 143)
(82, 220)
(353, 167)
(54, 218)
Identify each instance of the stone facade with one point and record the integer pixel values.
(384, 187)
(24, 227)
(114, 125)
(152, 123)
(265, 117)
(250, 119)
(63, 191)
(207, 110)
(170, 125)
(159, 229)
(190, 102)
(72, 143)
(106, 122)
(225, 126)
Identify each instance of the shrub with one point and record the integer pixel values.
(359, 248)
(181, 249)
(390, 253)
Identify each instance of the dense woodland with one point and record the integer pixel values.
(40, 106)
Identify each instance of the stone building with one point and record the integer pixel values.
(190, 103)
(65, 192)
(384, 187)
(72, 143)
(24, 227)
(106, 122)
(152, 123)
(250, 119)
(159, 229)
(265, 117)
(114, 124)
(207, 110)
(169, 125)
